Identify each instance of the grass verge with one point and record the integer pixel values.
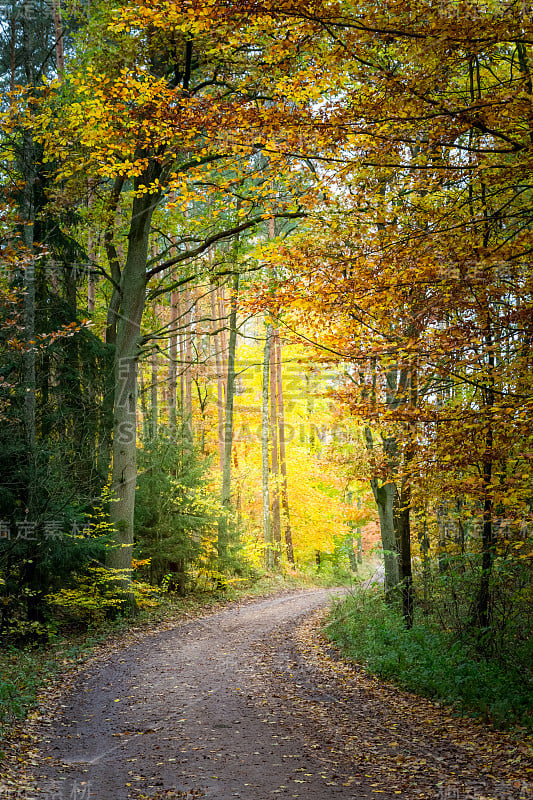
(430, 662)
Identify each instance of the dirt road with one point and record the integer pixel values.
(191, 710)
(251, 703)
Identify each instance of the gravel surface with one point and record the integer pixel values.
(202, 710)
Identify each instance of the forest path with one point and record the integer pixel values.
(251, 703)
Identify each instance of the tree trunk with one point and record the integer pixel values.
(359, 535)
(487, 548)
(181, 348)
(283, 457)
(220, 384)
(351, 553)
(91, 254)
(154, 411)
(29, 360)
(222, 314)
(133, 294)
(265, 464)
(409, 387)
(385, 499)
(426, 569)
(114, 260)
(405, 553)
(59, 45)
(228, 427)
(189, 313)
(27, 215)
(173, 357)
(13, 58)
(487, 541)
(276, 512)
(310, 409)
(144, 406)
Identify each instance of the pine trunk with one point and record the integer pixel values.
(265, 461)
(91, 254)
(484, 610)
(58, 28)
(283, 456)
(27, 214)
(215, 324)
(276, 511)
(181, 348)
(173, 357)
(228, 427)
(154, 411)
(189, 306)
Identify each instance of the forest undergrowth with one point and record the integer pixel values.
(489, 677)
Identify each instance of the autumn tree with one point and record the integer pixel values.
(416, 270)
(161, 119)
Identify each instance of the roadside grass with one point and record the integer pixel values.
(429, 661)
(25, 671)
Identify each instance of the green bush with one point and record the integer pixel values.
(433, 662)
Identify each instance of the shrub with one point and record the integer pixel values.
(433, 662)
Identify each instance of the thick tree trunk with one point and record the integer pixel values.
(228, 427)
(133, 294)
(124, 475)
